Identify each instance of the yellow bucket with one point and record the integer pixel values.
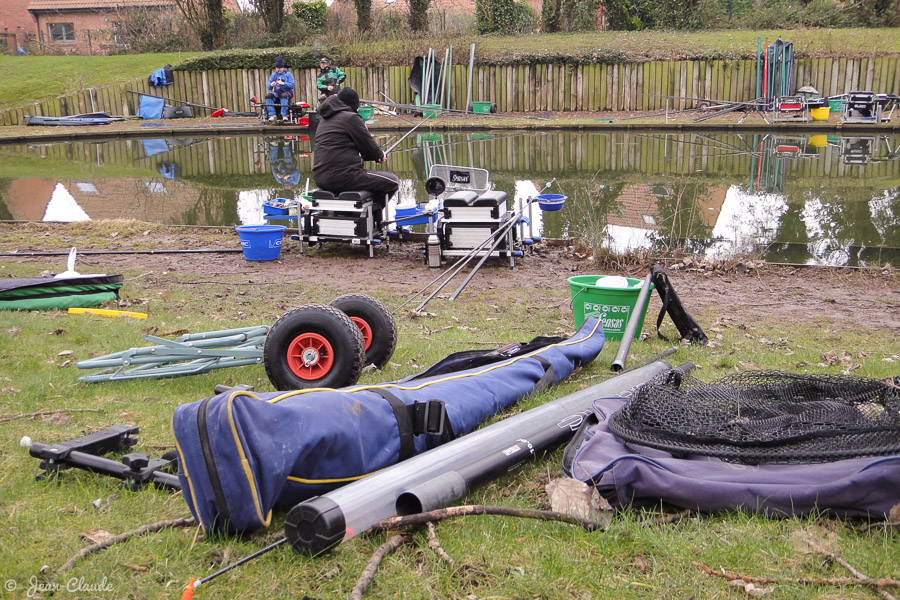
(818, 141)
(820, 114)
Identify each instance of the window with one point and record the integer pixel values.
(120, 33)
(61, 32)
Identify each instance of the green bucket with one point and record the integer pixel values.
(836, 106)
(366, 112)
(613, 306)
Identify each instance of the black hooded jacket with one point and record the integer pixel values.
(342, 143)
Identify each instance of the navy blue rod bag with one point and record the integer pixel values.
(241, 454)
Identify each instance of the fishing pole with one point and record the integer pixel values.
(506, 228)
(392, 113)
(456, 268)
(194, 583)
(406, 135)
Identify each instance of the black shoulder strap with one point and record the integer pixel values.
(429, 417)
(689, 329)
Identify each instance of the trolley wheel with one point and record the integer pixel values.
(375, 322)
(703, 105)
(313, 345)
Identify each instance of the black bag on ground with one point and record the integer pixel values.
(177, 112)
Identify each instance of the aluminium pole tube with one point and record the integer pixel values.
(318, 524)
(631, 327)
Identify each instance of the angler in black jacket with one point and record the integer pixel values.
(342, 143)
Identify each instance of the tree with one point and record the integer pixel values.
(364, 14)
(207, 19)
(418, 17)
(272, 13)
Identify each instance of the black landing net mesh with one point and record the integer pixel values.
(764, 417)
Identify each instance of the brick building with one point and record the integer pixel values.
(86, 27)
(17, 27)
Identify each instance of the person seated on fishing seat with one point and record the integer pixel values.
(281, 89)
(342, 143)
(285, 168)
(330, 79)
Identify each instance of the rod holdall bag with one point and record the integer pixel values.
(177, 112)
(688, 328)
(242, 454)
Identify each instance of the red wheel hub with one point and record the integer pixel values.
(366, 330)
(310, 356)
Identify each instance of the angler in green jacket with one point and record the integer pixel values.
(330, 78)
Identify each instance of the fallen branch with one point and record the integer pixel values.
(368, 574)
(150, 528)
(832, 581)
(42, 413)
(478, 509)
(435, 544)
(860, 576)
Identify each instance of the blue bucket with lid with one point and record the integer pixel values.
(261, 242)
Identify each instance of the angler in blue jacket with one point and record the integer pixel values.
(281, 89)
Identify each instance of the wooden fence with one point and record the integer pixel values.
(517, 88)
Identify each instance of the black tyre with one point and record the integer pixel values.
(375, 322)
(313, 345)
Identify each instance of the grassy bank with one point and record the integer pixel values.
(35, 77)
(639, 556)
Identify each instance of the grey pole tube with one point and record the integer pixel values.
(318, 524)
(631, 327)
(471, 69)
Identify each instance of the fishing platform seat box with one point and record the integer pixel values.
(861, 107)
(325, 200)
(469, 206)
(348, 217)
(470, 218)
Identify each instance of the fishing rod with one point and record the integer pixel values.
(194, 583)
(456, 268)
(406, 135)
(506, 229)
(413, 107)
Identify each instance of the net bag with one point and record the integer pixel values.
(758, 417)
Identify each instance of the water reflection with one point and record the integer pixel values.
(820, 199)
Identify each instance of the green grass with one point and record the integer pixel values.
(29, 78)
(496, 557)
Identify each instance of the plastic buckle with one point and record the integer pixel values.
(429, 417)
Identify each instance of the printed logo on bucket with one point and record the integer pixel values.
(275, 243)
(613, 317)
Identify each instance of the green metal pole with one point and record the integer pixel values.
(758, 51)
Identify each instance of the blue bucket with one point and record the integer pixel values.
(551, 202)
(261, 242)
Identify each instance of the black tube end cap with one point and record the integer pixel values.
(315, 526)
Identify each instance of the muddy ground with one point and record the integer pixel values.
(841, 298)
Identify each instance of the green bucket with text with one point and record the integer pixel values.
(612, 306)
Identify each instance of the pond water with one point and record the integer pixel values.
(809, 199)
